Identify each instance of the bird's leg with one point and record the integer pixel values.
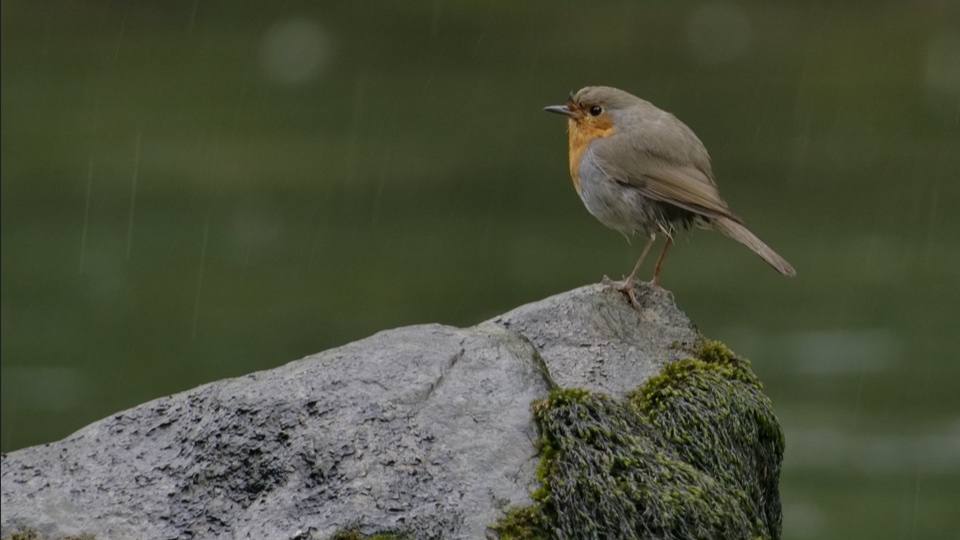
(626, 284)
(656, 272)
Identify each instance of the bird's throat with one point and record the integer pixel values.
(581, 134)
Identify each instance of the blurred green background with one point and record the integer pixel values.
(196, 190)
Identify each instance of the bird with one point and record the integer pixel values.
(640, 170)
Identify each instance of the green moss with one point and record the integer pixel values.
(25, 534)
(713, 412)
(354, 534)
(612, 475)
(523, 523)
(693, 453)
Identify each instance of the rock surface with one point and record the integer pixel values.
(424, 430)
(590, 338)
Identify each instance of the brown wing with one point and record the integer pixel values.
(666, 162)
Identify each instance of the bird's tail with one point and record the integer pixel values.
(740, 233)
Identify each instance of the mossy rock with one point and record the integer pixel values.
(355, 534)
(693, 453)
(523, 523)
(32, 534)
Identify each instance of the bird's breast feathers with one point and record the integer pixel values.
(581, 135)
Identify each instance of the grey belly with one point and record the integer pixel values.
(623, 208)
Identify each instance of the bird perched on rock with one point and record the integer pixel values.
(639, 169)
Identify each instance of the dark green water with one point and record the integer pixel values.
(196, 190)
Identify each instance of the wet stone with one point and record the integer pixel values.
(426, 428)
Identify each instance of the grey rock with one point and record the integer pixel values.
(590, 338)
(424, 430)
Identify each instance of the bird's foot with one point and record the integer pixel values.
(625, 285)
(655, 285)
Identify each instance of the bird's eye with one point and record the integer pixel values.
(596, 110)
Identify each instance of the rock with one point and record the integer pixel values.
(425, 431)
(590, 338)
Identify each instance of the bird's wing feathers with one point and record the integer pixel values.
(653, 163)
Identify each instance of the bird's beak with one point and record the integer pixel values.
(559, 109)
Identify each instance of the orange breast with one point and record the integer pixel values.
(581, 134)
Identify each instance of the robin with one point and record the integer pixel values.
(639, 169)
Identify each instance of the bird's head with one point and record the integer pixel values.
(598, 110)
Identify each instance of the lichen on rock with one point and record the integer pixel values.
(355, 534)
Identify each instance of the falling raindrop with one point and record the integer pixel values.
(196, 301)
(133, 196)
(86, 215)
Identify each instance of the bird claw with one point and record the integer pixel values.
(625, 285)
(655, 285)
